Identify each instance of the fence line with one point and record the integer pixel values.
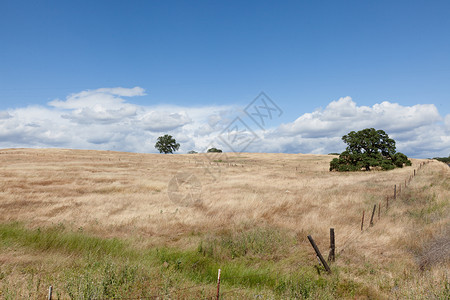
(395, 195)
(331, 256)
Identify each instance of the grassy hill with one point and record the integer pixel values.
(101, 224)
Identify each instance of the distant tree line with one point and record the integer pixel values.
(443, 159)
(167, 144)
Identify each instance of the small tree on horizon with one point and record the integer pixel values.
(214, 150)
(369, 148)
(167, 144)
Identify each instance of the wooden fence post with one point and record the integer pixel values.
(50, 290)
(218, 285)
(379, 210)
(331, 256)
(395, 191)
(373, 212)
(322, 260)
(362, 222)
(414, 172)
(387, 202)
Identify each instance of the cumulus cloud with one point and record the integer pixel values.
(33, 126)
(103, 119)
(343, 115)
(410, 126)
(5, 115)
(160, 121)
(447, 123)
(99, 114)
(104, 97)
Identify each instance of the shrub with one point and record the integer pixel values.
(214, 150)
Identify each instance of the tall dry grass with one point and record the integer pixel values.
(124, 195)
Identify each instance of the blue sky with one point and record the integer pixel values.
(201, 59)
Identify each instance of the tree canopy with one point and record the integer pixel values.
(167, 144)
(366, 149)
(214, 150)
(443, 159)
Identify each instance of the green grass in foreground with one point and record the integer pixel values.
(58, 239)
(112, 268)
(256, 261)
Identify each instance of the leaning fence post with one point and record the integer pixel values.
(373, 212)
(322, 260)
(50, 289)
(332, 245)
(362, 222)
(218, 285)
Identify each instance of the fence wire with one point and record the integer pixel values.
(352, 238)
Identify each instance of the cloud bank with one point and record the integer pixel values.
(103, 119)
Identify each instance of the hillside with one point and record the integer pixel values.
(102, 224)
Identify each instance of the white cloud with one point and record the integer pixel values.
(417, 129)
(4, 115)
(342, 116)
(447, 123)
(103, 119)
(108, 98)
(99, 114)
(33, 126)
(160, 121)
(123, 92)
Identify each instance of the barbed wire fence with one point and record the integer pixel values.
(350, 241)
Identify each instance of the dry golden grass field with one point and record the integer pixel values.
(102, 225)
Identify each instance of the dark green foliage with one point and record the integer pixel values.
(387, 165)
(370, 141)
(167, 144)
(399, 159)
(366, 149)
(214, 150)
(443, 159)
(192, 152)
